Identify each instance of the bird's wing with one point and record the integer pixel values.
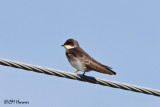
(99, 68)
(91, 63)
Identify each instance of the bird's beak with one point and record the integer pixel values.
(62, 45)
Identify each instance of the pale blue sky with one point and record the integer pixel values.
(123, 34)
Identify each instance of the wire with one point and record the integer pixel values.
(89, 79)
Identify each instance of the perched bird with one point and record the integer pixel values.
(80, 60)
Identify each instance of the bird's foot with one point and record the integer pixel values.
(76, 73)
(83, 76)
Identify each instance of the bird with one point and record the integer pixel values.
(80, 60)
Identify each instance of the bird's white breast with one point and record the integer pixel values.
(78, 64)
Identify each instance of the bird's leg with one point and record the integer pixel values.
(76, 72)
(83, 74)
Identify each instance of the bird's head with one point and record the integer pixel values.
(70, 43)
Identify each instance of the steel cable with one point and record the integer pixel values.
(89, 79)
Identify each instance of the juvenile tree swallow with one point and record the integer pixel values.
(80, 60)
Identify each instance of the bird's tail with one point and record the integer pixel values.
(109, 71)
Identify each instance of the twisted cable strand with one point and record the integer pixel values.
(89, 79)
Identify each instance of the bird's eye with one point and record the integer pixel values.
(69, 43)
